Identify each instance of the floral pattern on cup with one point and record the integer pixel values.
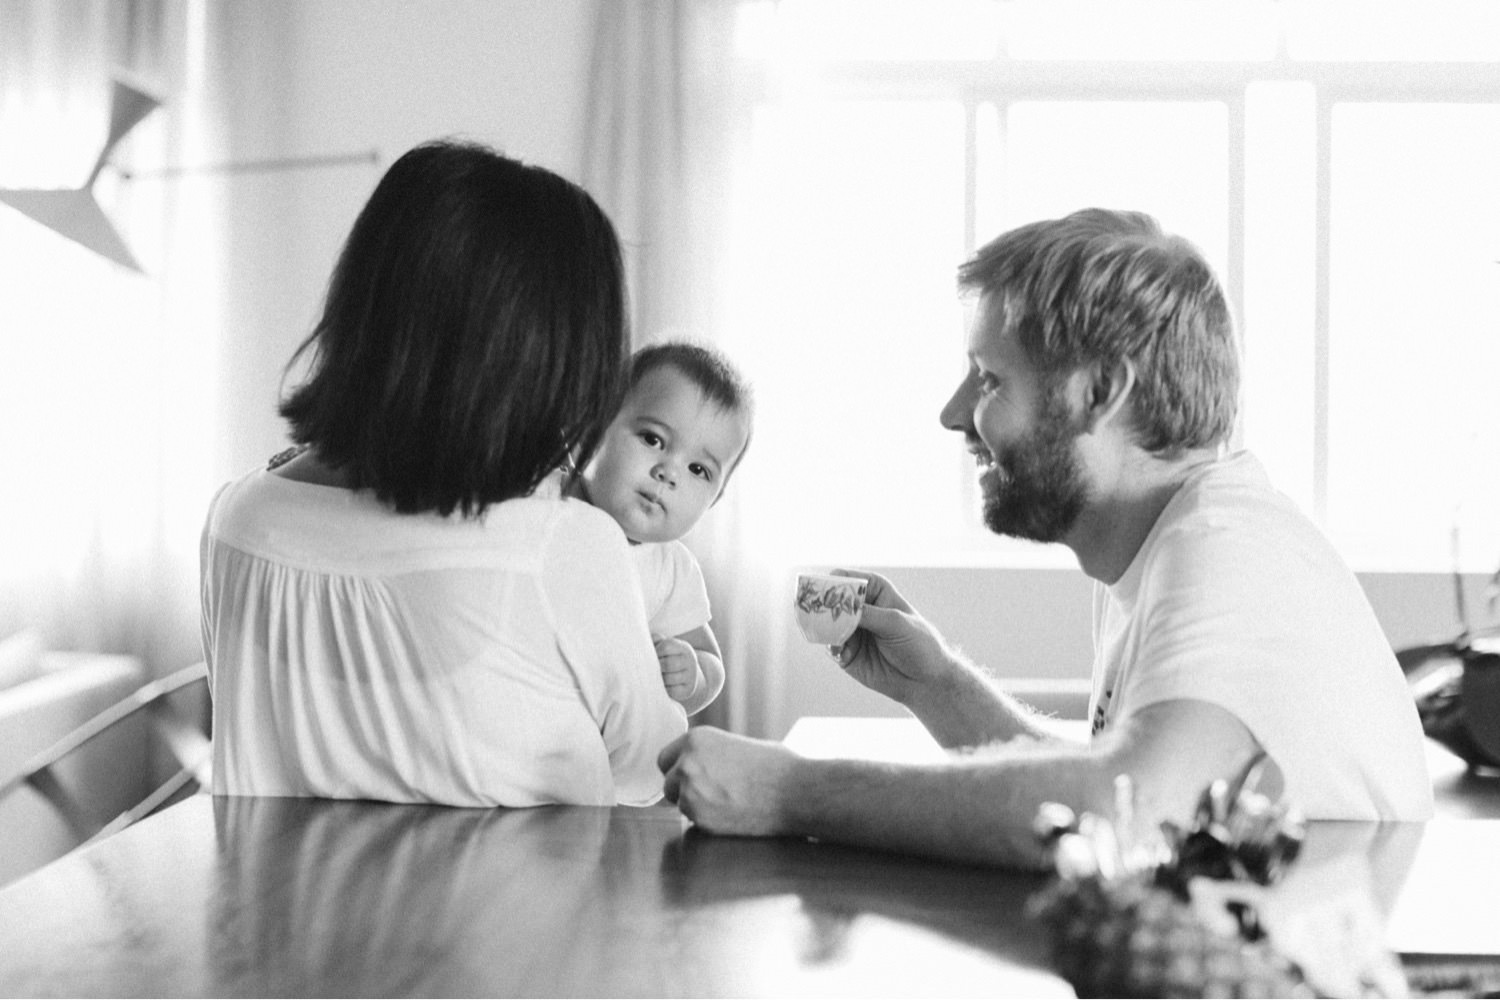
(829, 607)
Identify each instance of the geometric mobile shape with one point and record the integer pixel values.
(127, 106)
(75, 214)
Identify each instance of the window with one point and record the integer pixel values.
(1414, 329)
(1337, 168)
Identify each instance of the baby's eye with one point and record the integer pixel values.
(651, 438)
(988, 383)
(700, 470)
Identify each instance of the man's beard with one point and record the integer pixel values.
(1042, 492)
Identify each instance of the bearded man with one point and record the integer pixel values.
(1099, 402)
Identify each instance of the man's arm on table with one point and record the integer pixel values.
(976, 808)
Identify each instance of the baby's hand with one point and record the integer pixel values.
(679, 667)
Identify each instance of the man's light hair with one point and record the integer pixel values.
(1099, 286)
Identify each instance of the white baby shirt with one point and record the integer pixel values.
(672, 586)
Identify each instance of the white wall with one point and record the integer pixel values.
(302, 78)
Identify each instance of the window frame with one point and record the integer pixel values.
(1003, 82)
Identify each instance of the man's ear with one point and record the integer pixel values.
(1107, 392)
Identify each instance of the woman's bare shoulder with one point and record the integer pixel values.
(301, 464)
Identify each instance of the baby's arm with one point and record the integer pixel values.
(692, 668)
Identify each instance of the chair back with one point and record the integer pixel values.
(156, 707)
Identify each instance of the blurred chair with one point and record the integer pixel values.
(91, 781)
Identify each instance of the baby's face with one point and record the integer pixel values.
(664, 458)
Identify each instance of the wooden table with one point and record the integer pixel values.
(1432, 886)
(280, 897)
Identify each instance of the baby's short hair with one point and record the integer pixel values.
(707, 368)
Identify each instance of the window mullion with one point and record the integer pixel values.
(1323, 129)
(1234, 279)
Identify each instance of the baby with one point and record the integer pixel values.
(663, 462)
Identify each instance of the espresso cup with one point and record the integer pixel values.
(829, 607)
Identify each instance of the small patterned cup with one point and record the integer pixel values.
(829, 607)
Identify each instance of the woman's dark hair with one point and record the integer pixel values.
(474, 335)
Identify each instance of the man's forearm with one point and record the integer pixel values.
(964, 707)
(972, 810)
(980, 807)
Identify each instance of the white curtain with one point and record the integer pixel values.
(659, 157)
(101, 381)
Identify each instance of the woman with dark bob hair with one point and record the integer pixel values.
(404, 607)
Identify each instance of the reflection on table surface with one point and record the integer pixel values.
(238, 896)
(1433, 884)
(279, 897)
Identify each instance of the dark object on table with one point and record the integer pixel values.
(1128, 920)
(1456, 683)
(1132, 939)
(1457, 689)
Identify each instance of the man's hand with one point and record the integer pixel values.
(894, 649)
(899, 654)
(728, 784)
(679, 668)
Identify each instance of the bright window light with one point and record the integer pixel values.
(895, 30)
(848, 323)
(1278, 409)
(1168, 158)
(1140, 30)
(1360, 244)
(1415, 332)
(1432, 30)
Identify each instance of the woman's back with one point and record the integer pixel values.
(361, 653)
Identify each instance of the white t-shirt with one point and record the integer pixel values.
(672, 585)
(358, 653)
(1237, 599)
